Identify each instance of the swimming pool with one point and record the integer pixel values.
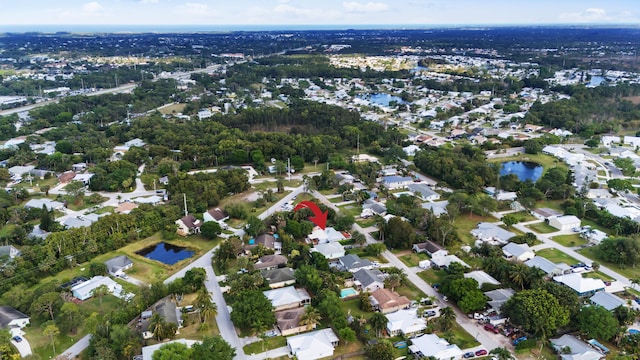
(633, 331)
(348, 292)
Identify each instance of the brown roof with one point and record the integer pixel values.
(125, 207)
(190, 221)
(289, 319)
(270, 261)
(390, 299)
(218, 214)
(66, 177)
(267, 240)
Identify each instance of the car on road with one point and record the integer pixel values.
(481, 352)
(468, 355)
(16, 338)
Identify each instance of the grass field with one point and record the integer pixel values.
(542, 228)
(544, 160)
(556, 256)
(465, 223)
(432, 276)
(570, 240)
(413, 259)
(267, 344)
(172, 109)
(627, 271)
(523, 216)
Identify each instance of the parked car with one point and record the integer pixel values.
(491, 328)
(430, 313)
(518, 340)
(16, 338)
(481, 352)
(469, 355)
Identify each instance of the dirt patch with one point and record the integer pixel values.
(634, 99)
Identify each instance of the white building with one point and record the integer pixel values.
(431, 345)
(313, 345)
(84, 290)
(518, 252)
(147, 351)
(405, 322)
(567, 222)
(331, 251)
(10, 317)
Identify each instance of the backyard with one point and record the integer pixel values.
(541, 228)
(556, 256)
(570, 240)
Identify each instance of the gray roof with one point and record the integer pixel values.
(7, 314)
(117, 263)
(580, 350)
(437, 207)
(499, 297)
(354, 262)
(278, 275)
(375, 206)
(486, 230)
(516, 250)
(367, 277)
(424, 190)
(542, 263)
(607, 300)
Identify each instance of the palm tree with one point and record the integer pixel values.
(535, 277)
(258, 329)
(447, 317)
(207, 307)
(394, 280)
(518, 274)
(100, 291)
(378, 322)
(310, 318)
(502, 354)
(158, 326)
(380, 223)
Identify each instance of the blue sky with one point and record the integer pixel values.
(325, 12)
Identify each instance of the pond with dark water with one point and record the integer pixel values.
(166, 253)
(381, 98)
(524, 170)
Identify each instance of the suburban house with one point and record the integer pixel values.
(84, 290)
(125, 208)
(430, 248)
(492, 234)
(326, 235)
(188, 225)
(498, 297)
(268, 262)
(387, 301)
(331, 251)
(12, 318)
(481, 277)
(582, 286)
(577, 349)
(369, 280)
(215, 214)
(594, 236)
(164, 307)
(371, 207)
(47, 203)
(147, 351)
(354, 263)
(287, 298)
(567, 222)
(118, 265)
(313, 345)
(396, 182)
(278, 278)
(405, 322)
(545, 213)
(607, 300)
(269, 241)
(411, 149)
(10, 251)
(288, 321)
(437, 208)
(517, 252)
(430, 345)
(424, 192)
(550, 268)
(443, 261)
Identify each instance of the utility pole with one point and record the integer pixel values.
(289, 167)
(184, 196)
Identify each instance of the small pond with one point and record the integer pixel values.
(166, 253)
(381, 98)
(524, 170)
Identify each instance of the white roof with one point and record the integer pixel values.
(517, 250)
(542, 263)
(446, 260)
(432, 345)
(147, 351)
(329, 234)
(330, 250)
(481, 277)
(579, 284)
(567, 219)
(407, 321)
(86, 288)
(286, 295)
(38, 203)
(313, 345)
(607, 300)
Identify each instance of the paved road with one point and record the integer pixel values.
(76, 348)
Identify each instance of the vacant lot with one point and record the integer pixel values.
(556, 256)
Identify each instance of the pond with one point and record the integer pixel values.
(524, 170)
(166, 253)
(381, 98)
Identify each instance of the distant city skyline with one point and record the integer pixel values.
(289, 14)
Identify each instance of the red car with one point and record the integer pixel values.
(481, 352)
(491, 328)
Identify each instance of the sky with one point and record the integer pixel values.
(308, 13)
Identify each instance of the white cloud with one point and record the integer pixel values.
(196, 9)
(288, 9)
(93, 7)
(148, 1)
(588, 15)
(354, 6)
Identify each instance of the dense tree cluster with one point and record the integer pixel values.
(204, 190)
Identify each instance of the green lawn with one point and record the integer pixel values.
(544, 160)
(432, 276)
(594, 225)
(352, 209)
(556, 256)
(542, 228)
(411, 291)
(523, 216)
(269, 344)
(570, 240)
(551, 204)
(464, 223)
(412, 259)
(628, 271)
(365, 223)
(597, 275)
(460, 337)
(104, 210)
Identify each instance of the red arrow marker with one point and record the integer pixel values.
(319, 218)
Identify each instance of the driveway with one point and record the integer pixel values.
(23, 346)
